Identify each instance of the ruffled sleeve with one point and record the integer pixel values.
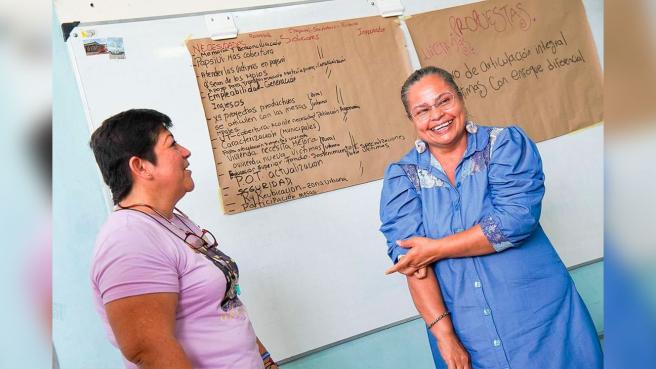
(516, 185)
(400, 210)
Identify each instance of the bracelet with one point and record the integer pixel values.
(268, 361)
(444, 314)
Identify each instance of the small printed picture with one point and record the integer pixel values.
(115, 47)
(95, 46)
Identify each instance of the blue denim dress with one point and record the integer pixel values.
(518, 307)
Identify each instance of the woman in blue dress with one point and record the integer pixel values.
(460, 213)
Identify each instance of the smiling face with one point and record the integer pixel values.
(171, 173)
(438, 122)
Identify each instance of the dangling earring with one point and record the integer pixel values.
(471, 127)
(420, 146)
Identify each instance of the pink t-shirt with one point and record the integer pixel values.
(135, 255)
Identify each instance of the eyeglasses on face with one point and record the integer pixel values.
(443, 102)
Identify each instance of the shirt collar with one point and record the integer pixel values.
(477, 139)
(424, 159)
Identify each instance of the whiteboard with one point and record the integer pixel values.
(312, 269)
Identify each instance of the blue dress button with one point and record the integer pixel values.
(477, 284)
(496, 343)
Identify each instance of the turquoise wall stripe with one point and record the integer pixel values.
(589, 282)
(401, 346)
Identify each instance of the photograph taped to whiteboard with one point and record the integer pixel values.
(115, 48)
(95, 46)
(111, 45)
(298, 111)
(532, 63)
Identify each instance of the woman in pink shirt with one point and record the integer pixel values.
(167, 294)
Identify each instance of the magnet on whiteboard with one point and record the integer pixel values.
(390, 8)
(221, 26)
(87, 33)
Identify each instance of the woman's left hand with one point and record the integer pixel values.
(423, 251)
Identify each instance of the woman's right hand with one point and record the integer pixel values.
(453, 352)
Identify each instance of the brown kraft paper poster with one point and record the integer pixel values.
(298, 111)
(532, 62)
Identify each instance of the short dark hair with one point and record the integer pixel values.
(130, 133)
(417, 75)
